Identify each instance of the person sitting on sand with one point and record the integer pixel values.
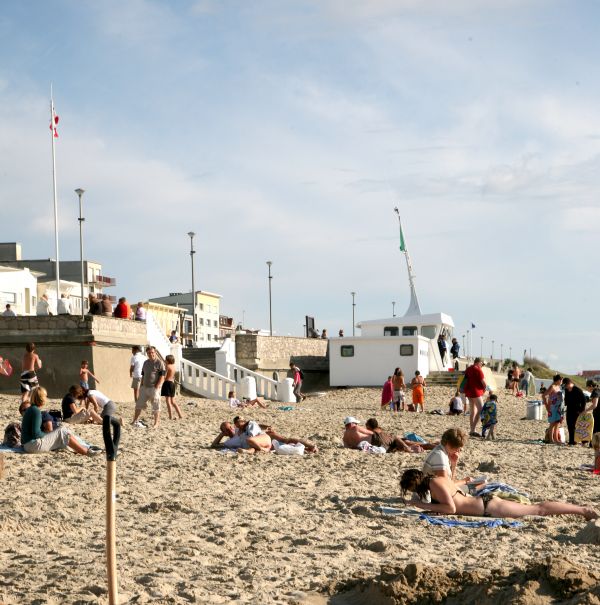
(456, 406)
(246, 403)
(35, 441)
(100, 403)
(394, 443)
(354, 434)
(78, 414)
(440, 495)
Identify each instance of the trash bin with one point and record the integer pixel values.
(535, 410)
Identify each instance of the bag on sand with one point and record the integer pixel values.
(12, 435)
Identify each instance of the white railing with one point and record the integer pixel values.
(156, 336)
(204, 382)
(265, 387)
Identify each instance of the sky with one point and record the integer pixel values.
(289, 131)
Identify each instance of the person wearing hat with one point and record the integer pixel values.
(354, 434)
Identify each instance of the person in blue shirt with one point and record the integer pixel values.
(34, 440)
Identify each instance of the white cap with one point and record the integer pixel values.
(350, 420)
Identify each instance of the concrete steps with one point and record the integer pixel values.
(202, 356)
(442, 379)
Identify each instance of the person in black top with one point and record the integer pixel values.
(442, 346)
(575, 404)
(454, 350)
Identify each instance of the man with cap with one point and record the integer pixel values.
(354, 434)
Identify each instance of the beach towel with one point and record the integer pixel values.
(286, 408)
(14, 450)
(446, 522)
(5, 367)
(365, 446)
(414, 437)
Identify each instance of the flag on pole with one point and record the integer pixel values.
(54, 123)
(402, 244)
(472, 325)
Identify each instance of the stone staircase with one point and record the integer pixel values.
(202, 356)
(442, 379)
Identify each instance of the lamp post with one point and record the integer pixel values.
(510, 353)
(80, 193)
(468, 344)
(393, 308)
(492, 350)
(481, 351)
(353, 306)
(501, 354)
(464, 352)
(192, 252)
(269, 263)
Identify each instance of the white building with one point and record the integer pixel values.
(18, 288)
(408, 342)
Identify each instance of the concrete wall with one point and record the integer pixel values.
(272, 354)
(63, 341)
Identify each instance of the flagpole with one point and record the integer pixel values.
(413, 307)
(52, 133)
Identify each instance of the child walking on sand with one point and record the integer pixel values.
(84, 376)
(168, 387)
(418, 391)
(399, 386)
(387, 394)
(489, 417)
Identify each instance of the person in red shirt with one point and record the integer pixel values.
(474, 389)
(122, 310)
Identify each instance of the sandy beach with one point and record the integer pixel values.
(198, 526)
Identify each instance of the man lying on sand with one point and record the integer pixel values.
(238, 436)
(354, 434)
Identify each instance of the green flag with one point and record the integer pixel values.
(402, 244)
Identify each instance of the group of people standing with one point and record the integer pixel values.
(394, 392)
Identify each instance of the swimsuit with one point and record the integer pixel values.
(484, 497)
(28, 381)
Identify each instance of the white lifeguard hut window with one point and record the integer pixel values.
(428, 331)
(409, 331)
(347, 350)
(390, 331)
(407, 350)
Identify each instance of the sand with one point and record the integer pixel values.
(198, 526)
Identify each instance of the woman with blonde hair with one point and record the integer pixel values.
(35, 441)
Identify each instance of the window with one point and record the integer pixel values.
(215, 323)
(9, 297)
(428, 331)
(201, 321)
(209, 337)
(201, 307)
(390, 331)
(409, 331)
(406, 350)
(347, 351)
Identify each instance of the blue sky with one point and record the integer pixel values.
(288, 131)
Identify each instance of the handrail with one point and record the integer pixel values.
(265, 387)
(204, 382)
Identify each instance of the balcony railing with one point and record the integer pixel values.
(103, 280)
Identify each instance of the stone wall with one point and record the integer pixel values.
(63, 341)
(271, 355)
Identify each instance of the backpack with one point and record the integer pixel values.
(12, 435)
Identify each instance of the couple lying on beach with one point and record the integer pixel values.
(435, 488)
(372, 433)
(250, 437)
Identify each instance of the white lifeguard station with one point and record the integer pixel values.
(408, 342)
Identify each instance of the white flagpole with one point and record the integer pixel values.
(52, 127)
(413, 307)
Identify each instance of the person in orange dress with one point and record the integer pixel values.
(418, 391)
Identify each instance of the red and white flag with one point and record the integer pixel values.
(54, 124)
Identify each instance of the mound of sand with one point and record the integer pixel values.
(555, 580)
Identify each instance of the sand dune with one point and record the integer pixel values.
(197, 526)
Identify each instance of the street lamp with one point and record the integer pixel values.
(501, 354)
(510, 353)
(464, 351)
(80, 193)
(393, 308)
(192, 252)
(481, 351)
(492, 350)
(353, 305)
(468, 344)
(269, 263)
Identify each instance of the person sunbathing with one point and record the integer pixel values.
(246, 436)
(245, 403)
(354, 434)
(394, 443)
(441, 495)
